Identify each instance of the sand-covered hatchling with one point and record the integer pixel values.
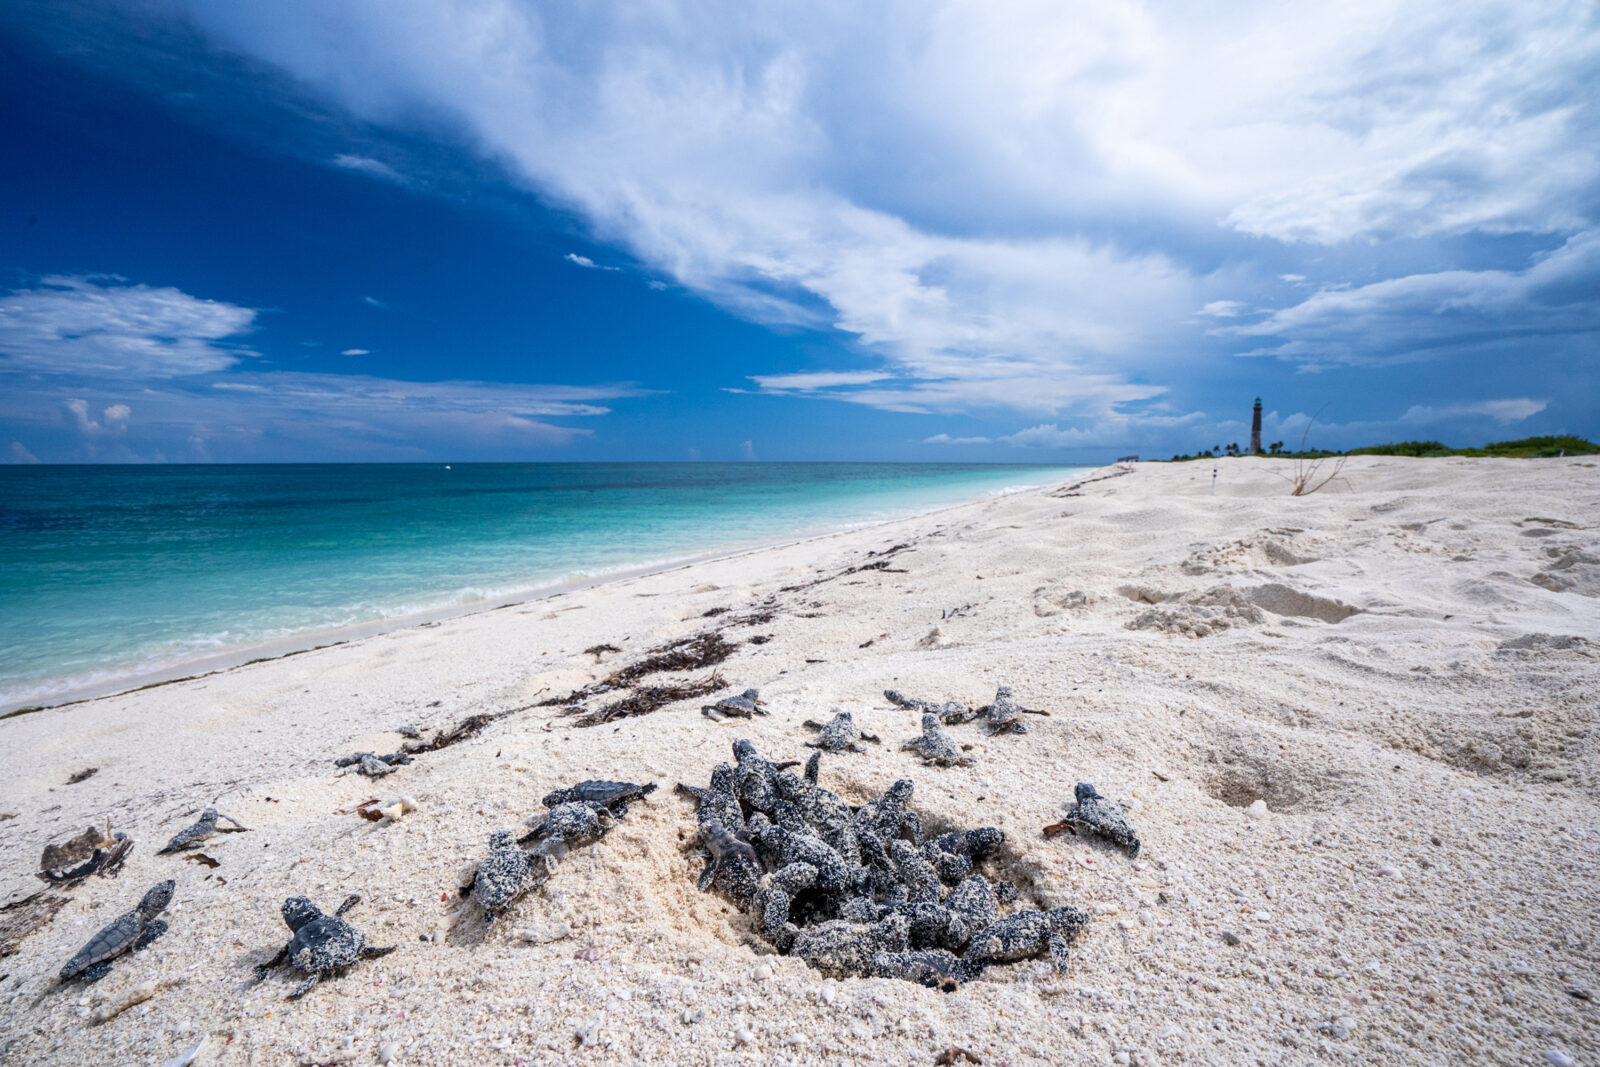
(936, 747)
(733, 866)
(130, 931)
(839, 734)
(1025, 934)
(744, 706)
(1095, 814)
(372, 765)
(846, 949)
(951, 712)
(323, 945)
(1001, 716)
(935, 968)
(613, 796)
(574, 823)
(203, 829)
(507, 873)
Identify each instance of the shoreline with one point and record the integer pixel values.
(211, 663)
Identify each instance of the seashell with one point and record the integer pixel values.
(592, 954)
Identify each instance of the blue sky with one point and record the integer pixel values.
(436, 229)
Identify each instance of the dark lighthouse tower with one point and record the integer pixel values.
(1255, 429)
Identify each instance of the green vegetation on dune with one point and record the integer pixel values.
(1525, 448)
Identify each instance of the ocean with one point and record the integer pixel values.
(116, 573)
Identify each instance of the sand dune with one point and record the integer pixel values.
(1354, 730)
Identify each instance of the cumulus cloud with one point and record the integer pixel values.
(18, 453)
(1420, 316)
(946, 439)
(777, 160)
(108, 329)
(356, 352)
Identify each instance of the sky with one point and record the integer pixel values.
(393, 230)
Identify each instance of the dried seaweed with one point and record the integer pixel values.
(711, 613)
(596, 650)
(648, 698)
(705, 649)
(879, 565)
(83, 775)
(22, 917)
(464, 730)
(1071, 490)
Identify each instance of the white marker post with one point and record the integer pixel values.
(1213, 481)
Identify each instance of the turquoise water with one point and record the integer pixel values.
(111, 572)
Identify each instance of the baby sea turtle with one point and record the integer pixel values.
(935, 746)
(1095, 814)
(508, 873)
(775, 897)
(719, 801)
(847, 949)
(1024, 934)
(201, 830)
(951, 712)
(574, 823)
(744, 706)
(371, 765)
(323, 945)
(614, 796)
(1001, 716)
(839, 733)
(91, 852)
(734, 866)
(755, 776)
(134, 930)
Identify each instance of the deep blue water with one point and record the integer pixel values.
(109, 571)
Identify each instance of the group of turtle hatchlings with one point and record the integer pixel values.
(854, 890)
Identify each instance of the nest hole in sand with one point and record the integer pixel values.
(1240, 765)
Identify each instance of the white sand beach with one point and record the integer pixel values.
(1355, 731)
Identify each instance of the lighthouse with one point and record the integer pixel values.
(1255, 429)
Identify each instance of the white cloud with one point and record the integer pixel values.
(102, 328)
(356, 352)
(777, 160)
(1513, 409)
(19, 453)
(811, 381)
(1223, 309)
(369, 166)
(1422, 315)
(585, 262)
(946, 439)
(372, 301)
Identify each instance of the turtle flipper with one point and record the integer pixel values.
(156, 928)
(349, 902)
(1058, 952)
(95, 973)
(706, 875)
(372, 952)
(303, 988)
(263, 968)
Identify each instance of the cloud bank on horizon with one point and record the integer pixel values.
(1054, 220)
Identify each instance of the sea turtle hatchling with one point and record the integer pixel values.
(932, 967)
(132, 930)
(936, 747)
(1001, 716)
(1095, 814)
(507, 873)
(744, 706)
(203, 829)
(371, 765)
(575, 823)
(733, 866)
(838, 734)
(951, 712)
(846, 949)
(614, 796)
(1024, 934)
(323, 945)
